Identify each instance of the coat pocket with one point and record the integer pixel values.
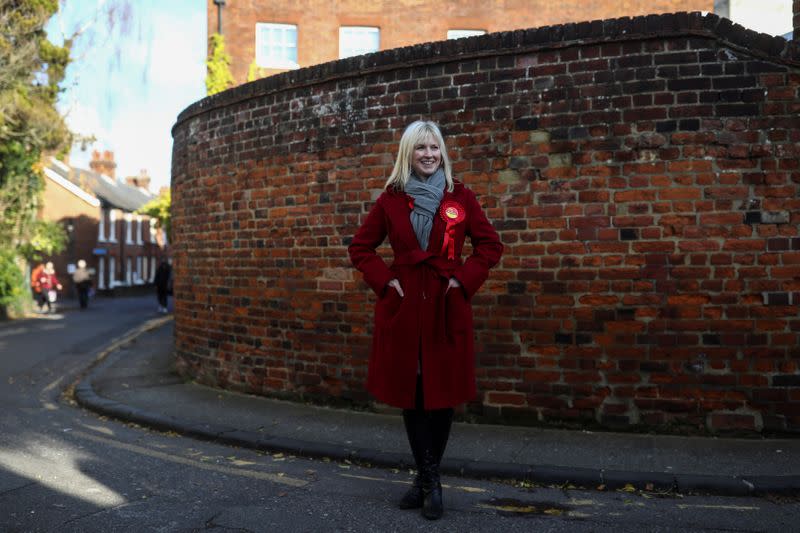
(458, 311)
(387, 307)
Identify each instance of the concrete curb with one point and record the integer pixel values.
(86, 396)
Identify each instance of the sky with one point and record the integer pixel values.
(127, 87)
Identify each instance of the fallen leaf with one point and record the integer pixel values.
(628, 488)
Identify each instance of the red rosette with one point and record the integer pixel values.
(452, 213)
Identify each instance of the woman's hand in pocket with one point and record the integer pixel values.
(452, 284)
(396, 284)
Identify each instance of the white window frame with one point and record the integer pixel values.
(101, 228)
(112, 223)
(269, 60)
(153, 230)
(460, 34)
(352, 41)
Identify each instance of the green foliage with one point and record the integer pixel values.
(218, 72)
(159, 209)
(254, 72)
(31, 68)
(20, 188)
(47, 239)
(12, 281)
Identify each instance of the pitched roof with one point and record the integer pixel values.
(110, 191)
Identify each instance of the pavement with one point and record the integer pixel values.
(134, 380)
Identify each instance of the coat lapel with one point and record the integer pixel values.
(401, 215)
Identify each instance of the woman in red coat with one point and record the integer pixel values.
(422, 357)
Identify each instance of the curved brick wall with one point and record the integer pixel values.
(643, 174)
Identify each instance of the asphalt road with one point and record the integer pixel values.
(63, 469)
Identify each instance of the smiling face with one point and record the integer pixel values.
(426, 158)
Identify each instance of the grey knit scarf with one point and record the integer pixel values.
(427, 196)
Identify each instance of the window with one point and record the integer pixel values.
(145, 278)
(139, 230)
(128, 271)
(276, 45)
(152, 269)
(138, 276)
(112, 272)
(357, 40)
(153, 230)
(112, 226)
(128, 224)
(101, 273)
(458, 34)
(101, 230)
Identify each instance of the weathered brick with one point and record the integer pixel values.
(644, 186)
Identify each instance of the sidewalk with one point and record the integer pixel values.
(135, 383)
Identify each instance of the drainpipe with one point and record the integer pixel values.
(220, 4)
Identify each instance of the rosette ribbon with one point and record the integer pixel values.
(452, 213)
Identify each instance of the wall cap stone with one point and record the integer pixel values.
(693, 24)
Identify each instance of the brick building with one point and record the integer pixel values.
(98, 211)
(285, 34)
(642, 172)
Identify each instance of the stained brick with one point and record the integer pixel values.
(644, 186)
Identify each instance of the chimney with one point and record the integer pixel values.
(142, 180)
(103, 163)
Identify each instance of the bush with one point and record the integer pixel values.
(14, 294)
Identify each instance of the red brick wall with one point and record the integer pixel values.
(643, 174)
(407, 22)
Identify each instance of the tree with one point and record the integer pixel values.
(31, 69)
(218, 72)
(47, 238)
(159, 209)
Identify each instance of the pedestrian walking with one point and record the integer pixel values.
(49, 286)
(83, 282)
(36, 287)
(422, 356)
(163, 283)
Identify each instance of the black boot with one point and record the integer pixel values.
(442, 420)
(432, 507)
(412, 419)
(413, 497)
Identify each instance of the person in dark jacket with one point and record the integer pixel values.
(82, 278)
(163, 283)
(422, 357)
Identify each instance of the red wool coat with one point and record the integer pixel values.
(427, 327)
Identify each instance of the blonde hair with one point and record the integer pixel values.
(414, 134)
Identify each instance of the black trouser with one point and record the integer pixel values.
(83, 294)
(427, 431)
(44, 300)
(162, 296)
